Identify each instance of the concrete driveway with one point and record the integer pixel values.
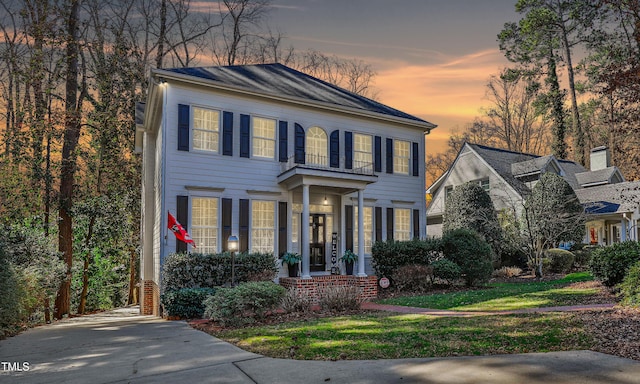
(122, 347)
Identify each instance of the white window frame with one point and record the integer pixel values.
(401, 231)
(268, 151)
(207, 222)
(263, 229)
(401, 157)
(317, 147)
(362, 150)
(213, 131)
(368, 229)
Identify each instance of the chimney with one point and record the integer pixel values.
(600, 158)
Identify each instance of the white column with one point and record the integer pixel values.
(304, 225)
(289, 222)
(623, 230)
(361, 233)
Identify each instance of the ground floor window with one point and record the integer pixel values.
(368, 229)
(263, 226)
(204, 224)
(402, 224)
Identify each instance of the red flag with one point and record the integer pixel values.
(179, 231)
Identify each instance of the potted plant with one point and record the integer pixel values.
(349, 258)
(292, 260)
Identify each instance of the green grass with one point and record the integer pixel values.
(505, 296)
(388, 336)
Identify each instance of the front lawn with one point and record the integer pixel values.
(573, 289)
(392, 336)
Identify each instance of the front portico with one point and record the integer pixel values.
(304, 181)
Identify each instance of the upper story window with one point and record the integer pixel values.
(264, 138)
(204, 224)
(206, 129)
(317, 147)
(362, 150)
(447, 191)
(401, 156)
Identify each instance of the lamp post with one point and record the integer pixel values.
(233, 247)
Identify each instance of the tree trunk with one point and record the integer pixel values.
(133, 297)
(67, 179)
(578, 145)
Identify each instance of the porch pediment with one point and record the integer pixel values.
(341, 181)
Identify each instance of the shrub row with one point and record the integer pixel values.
(391, 255)
(243, 304)
(197, 270)
(610, 264)
(186, 303)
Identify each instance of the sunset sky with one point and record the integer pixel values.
(432, 57)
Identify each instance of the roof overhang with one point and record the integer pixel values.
(159, 75)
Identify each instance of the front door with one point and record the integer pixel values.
(317, 225)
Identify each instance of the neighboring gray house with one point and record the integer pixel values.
(280, 159)
(611, 202)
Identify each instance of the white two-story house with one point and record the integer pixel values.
(282, 160)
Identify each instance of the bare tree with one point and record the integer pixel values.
(521, 126)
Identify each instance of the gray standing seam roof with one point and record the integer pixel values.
(277, 79)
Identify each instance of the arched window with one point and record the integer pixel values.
(317, 147)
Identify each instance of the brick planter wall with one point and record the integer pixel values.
(368, 285)
(150, 303)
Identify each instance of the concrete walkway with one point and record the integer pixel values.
(121, 347)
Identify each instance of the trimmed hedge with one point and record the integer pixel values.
(245, 303)
(470, 252)
(610, 264)
(196, 270)
(186, 303)
(390, 255)
(558, 260)
(446, 270)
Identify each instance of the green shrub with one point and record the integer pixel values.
(630, 286)
(339, 299)
(470, 252)
(413, 278)
(583, 253)
(243, 304)
(610, 264)
(181, 270)
(186, 303)
(390, 255)
(559, 260)
(446, 270)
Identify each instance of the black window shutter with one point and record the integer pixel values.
(416, 223)
(283, 141)
(377, 154)
(415, 158)
(282, 228)
(226, 223)
(227, 133)
(183, 128)
(389, 223)
(348, 150)
(389, 155)
(299, 144)
(245, 135)
(334, 149)
(182, 215)
(348, 226)
(243, 222)
(378, 223)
